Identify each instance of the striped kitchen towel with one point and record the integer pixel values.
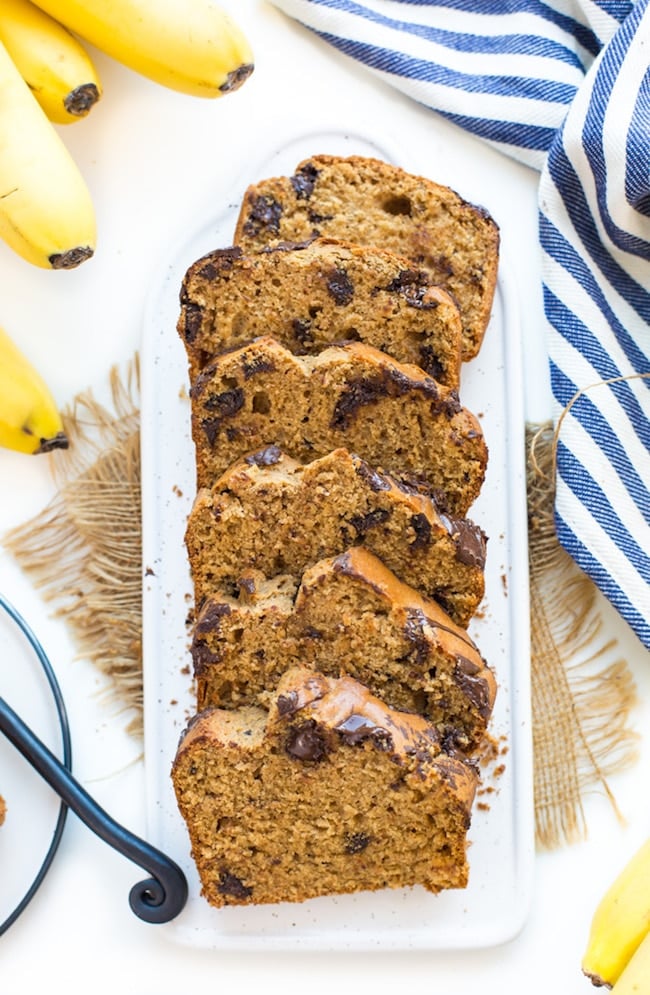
(562, 86)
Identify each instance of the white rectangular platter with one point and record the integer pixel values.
(494, 906)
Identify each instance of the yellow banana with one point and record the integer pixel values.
(187, 45)
(621, 921)
(54, 64)
(29, 418)
(635, 979)
(46, 211)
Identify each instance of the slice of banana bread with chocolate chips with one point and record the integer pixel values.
(330, 792)
(353, 395)
(371, 202)
(271, 513)
(347, 615)
(311, 295)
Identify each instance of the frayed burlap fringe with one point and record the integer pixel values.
(84, 550)
(581, 708)
(84, 553)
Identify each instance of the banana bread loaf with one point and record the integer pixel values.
(331, 792)
(271, 513)
(314, 294)
(370, 202)
(347, 616)
(354, 395)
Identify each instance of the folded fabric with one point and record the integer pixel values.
(563, 87)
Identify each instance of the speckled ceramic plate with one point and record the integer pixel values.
(494, 906)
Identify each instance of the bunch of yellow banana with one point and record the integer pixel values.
(29, 418)
(47, 77)
(618, 948)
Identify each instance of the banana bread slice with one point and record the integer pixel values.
(331, 792)
(353, 395)
(271, 513)
(347, 615)
(314, 294)
(371, 202)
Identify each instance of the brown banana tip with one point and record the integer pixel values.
(80, 100)
(58, 441)
(236, 78)
(71, 258)
(596, 980)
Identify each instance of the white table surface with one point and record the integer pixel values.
(153, 159)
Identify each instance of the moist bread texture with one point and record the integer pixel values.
(346, 616)
(311, 295)
(371, 202)
(273, 514)
(329, 792)
(392, 414)
(342, 708)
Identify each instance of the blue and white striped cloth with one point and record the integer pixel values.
(563, 86)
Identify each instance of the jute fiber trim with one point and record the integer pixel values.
(581, 700)
(84, 551)
(84, 554)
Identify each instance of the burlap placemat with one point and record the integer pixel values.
(84, 554)
(83, 551)
(581, 693)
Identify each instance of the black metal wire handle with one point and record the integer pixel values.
(66, 746)
(156, 900)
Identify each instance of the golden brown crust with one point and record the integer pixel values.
(271, 513)
(345, 706)
(372, 202)
(334, 571)
(392, 414)
(311, 295)
(347, 615)
(334, 794)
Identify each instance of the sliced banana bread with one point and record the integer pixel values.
(354, 395)
(271, 513)
(311, 295)
(371, 202)
(331, 792)
(347, 615)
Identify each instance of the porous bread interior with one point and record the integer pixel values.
(285, 517)
(352, 396)
(310, 296)
(266, 827)
(341, 623)
(371, 202)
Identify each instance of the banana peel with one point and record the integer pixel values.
(30, 421)
(635, 979)
(192, 46)
(55, 65)
(621, 922)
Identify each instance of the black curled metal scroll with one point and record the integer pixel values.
(158, 899)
